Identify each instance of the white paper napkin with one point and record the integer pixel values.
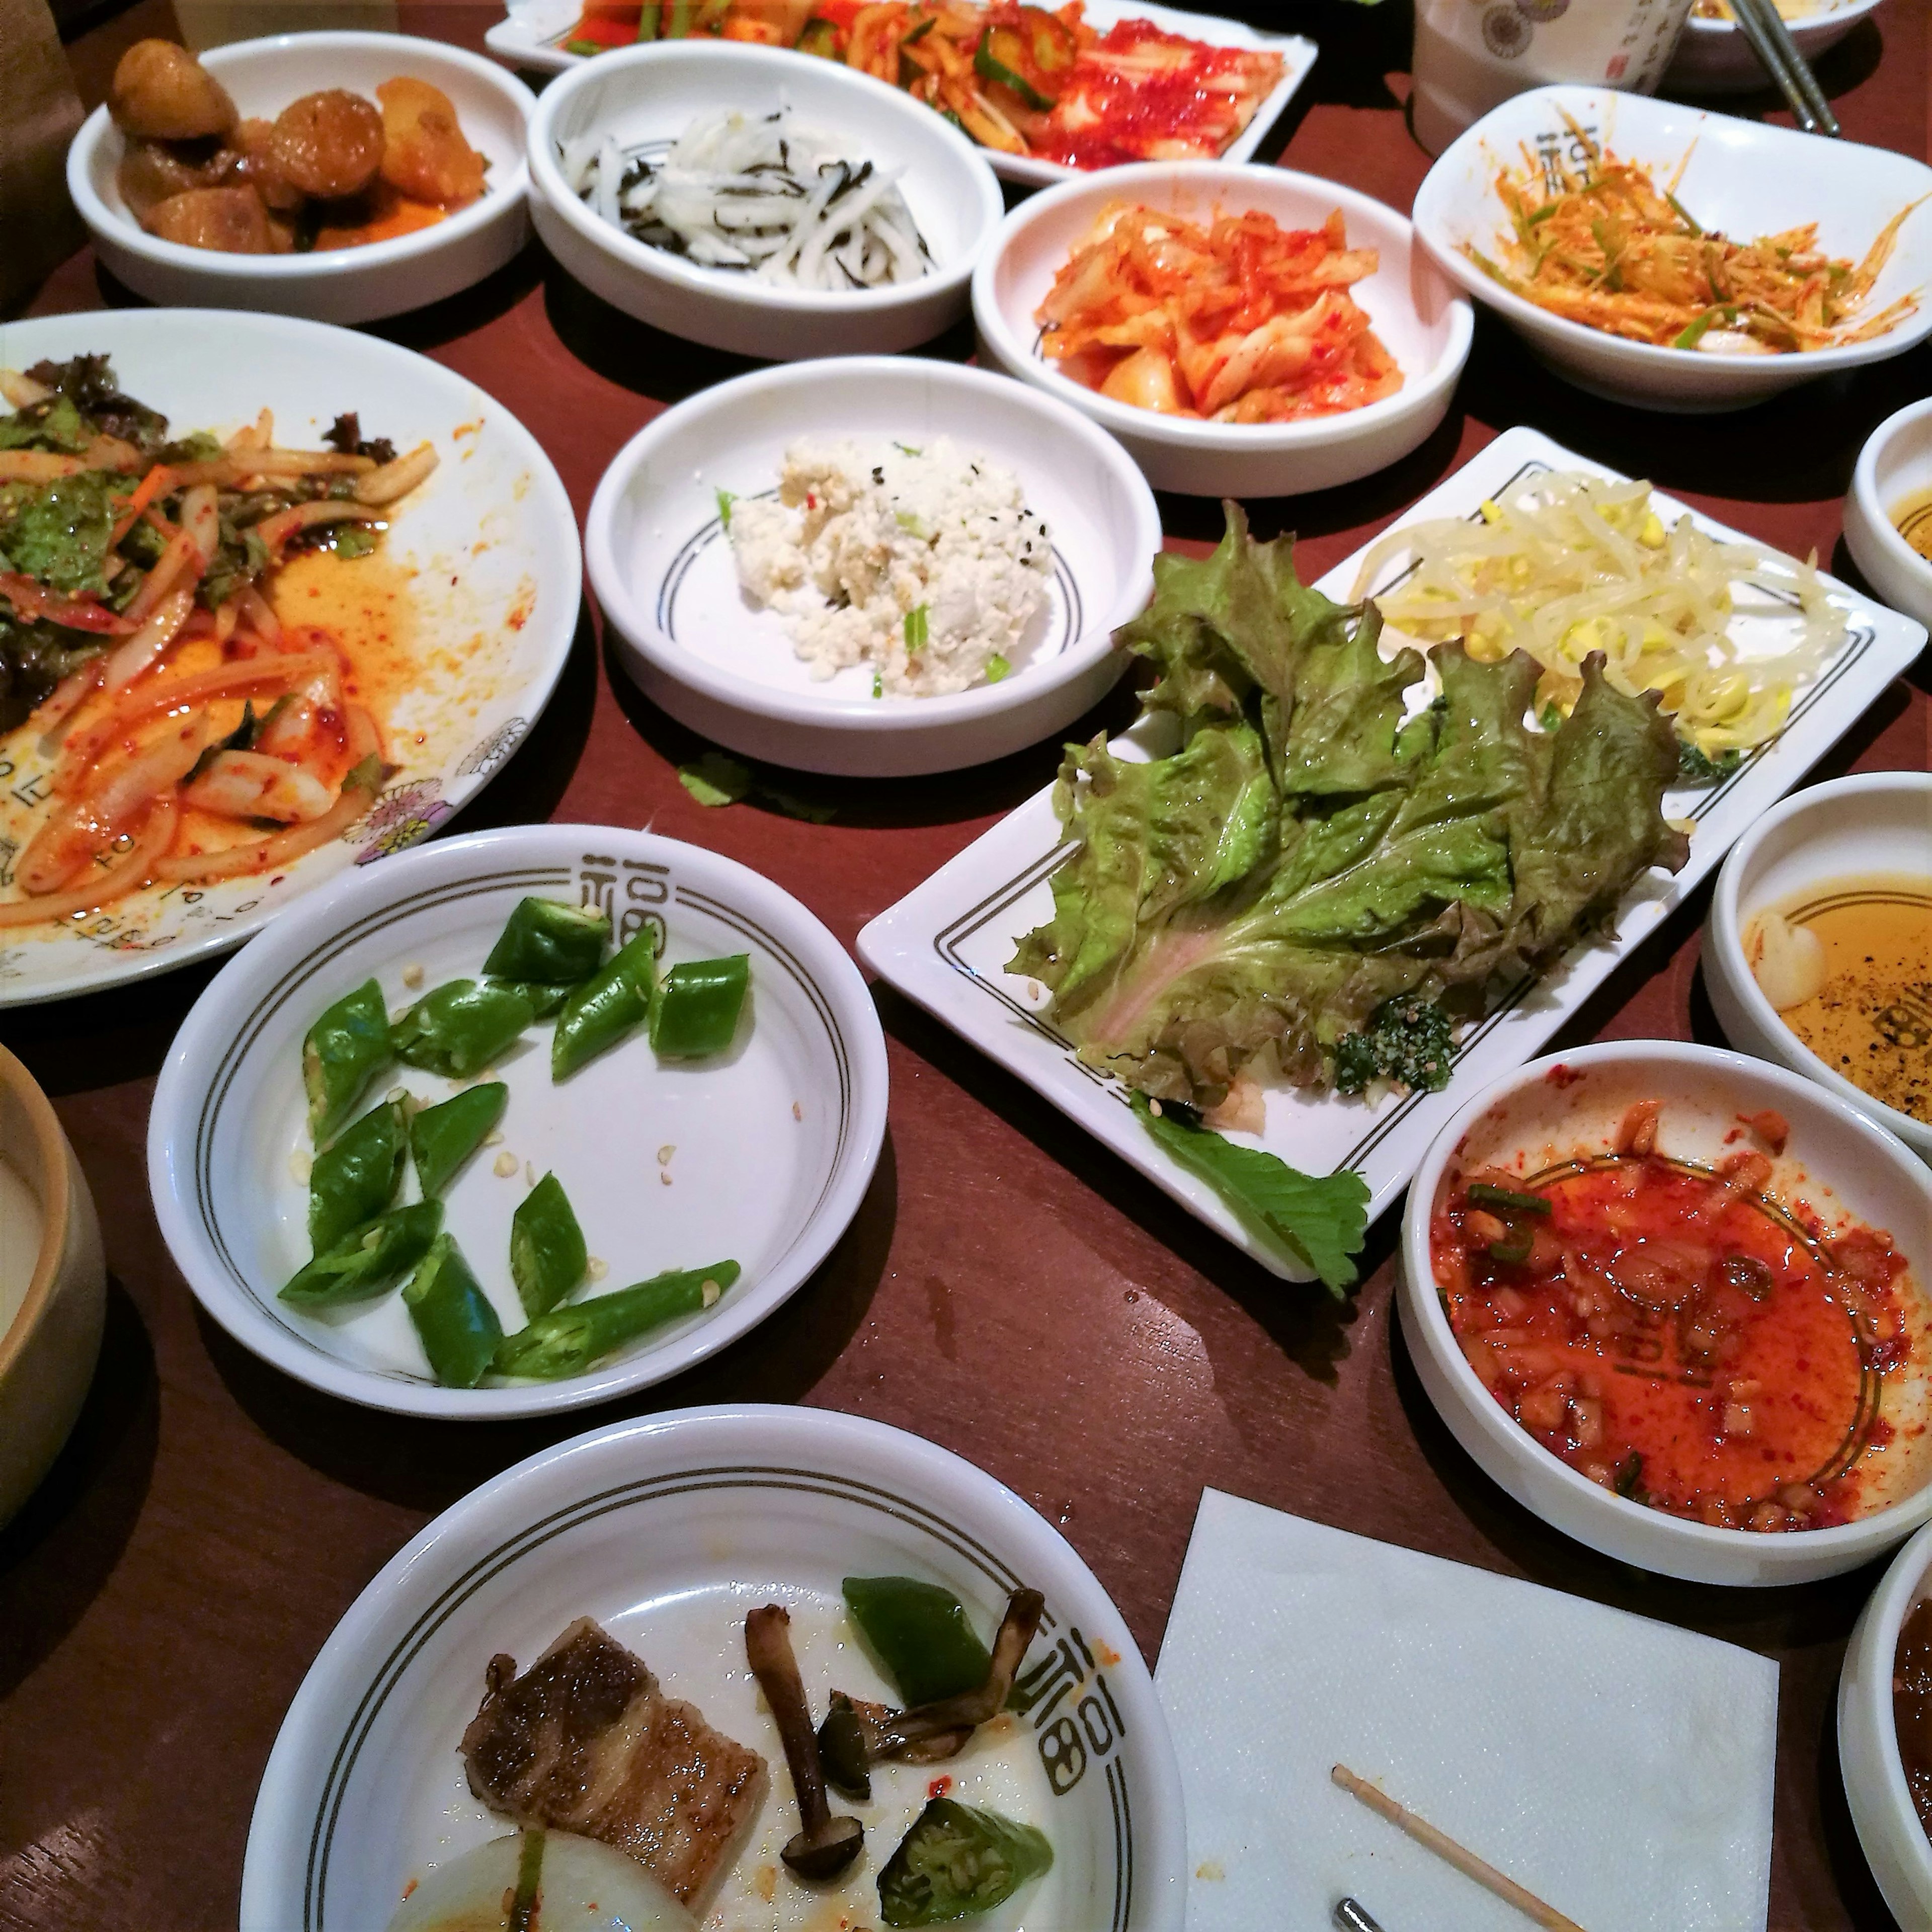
(1621, 1769)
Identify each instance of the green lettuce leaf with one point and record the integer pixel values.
(60, 532)
(1316, 847)
(1318, 1221)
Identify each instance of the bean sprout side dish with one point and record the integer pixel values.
(197, 736)
(764, 197)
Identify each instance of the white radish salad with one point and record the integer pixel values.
(758, 196)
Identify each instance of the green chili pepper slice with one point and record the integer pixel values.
(605, 1007)
(570, 1339)
(351, 1182)
(650, 16)
(550, 941)
(1481, 1194)
(453, 1320)
(344, 1050)
(546, 1001)
(842, 1753)
(442, 1138)
(547, 1256)
(958, 1861)
(1514, 1251)
(920, 1632)
(696, 1009)
(460, 1028)
(368, 1260)
(820, 37)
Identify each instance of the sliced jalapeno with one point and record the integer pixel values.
(547, 1256)
(959, 1861)
(613, 1001)
(460, 1028)
(569, 1339)
(344, 1050)
(545, 1001)
(442, 1138)
(696, 1007)
(920, 1632)
(353, 1180)
(369, 1260)
(550, 941)
(453, 1320)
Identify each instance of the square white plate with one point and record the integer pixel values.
(946, 944)
(532, 35)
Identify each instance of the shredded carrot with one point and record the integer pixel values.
(156, 483)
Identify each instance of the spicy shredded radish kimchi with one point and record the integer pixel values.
(1241, 322)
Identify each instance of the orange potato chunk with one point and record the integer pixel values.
(424, 155)
(330, 144)
(232, 220)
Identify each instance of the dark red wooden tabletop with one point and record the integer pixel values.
(1008, 1289)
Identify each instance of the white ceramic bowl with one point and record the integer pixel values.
(1743, 177)
(1836, 1158)
(1880, 822)
(662, 569)
(1887, 1822)
(1895, 464)
(51, 1338)
(666, 1531)
(1424, 324)
(798, 1108)
(653, 94)
(344, 285)
(1712, 57)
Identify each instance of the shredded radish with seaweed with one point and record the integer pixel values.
(761, 197)
(1560, 565)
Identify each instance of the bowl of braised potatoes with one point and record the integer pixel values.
(340, 176)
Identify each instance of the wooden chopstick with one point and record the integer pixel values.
(1446, 1848)
(1763, 26)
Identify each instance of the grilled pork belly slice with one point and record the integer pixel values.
(585, 1742)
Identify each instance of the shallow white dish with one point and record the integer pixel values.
(662, 568)
(533, 33)
(1713, 57)
(667, 1531)
(1836, 1161)
(341, 285)
(1423, 323)
(1879, 822)
(1743, 177)
(491, 541)
(1895, 464)
(946, 945)
(647, 96)
(1886, 1820)
(799, 1103)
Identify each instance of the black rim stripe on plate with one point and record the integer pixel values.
(533, 1537)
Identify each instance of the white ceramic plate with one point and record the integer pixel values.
(490, 541)
(1743, 177)
(946, 943)
(1873, 823)
(1876, 1791)
(1713, 58)
(1420, 319)
(645, 98)
(662, 568)
(532, 33)
(667, 1531)
(1836, 1163)
(343, 285)
(1894, 466)
(772, 1145)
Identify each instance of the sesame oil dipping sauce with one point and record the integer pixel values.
(1678, 1335)
(22, 1225)
(1848, 964)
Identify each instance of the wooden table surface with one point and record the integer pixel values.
(1008, 1289)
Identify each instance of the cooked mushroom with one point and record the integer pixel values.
(855, 1735)
(150, 171)
(824, 1846)
(162, 93)
(330, 144)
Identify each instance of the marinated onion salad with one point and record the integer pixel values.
(760, 196)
